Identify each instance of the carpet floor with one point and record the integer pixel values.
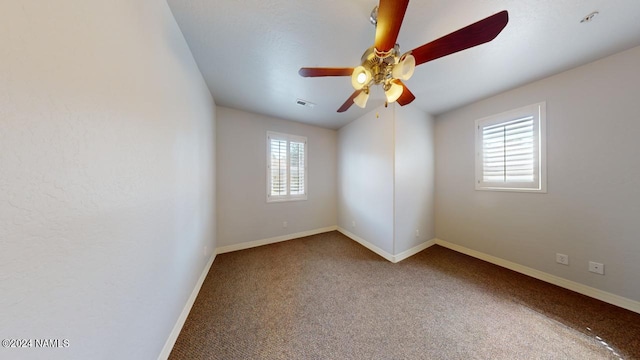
(327, 297)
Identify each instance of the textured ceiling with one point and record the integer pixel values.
(249, 51)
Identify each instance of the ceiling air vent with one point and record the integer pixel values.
(589, 17)
(306, 103)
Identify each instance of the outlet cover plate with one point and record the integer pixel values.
(562, 259)
(595, 267)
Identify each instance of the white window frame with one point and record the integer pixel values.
(538, 113)
(288, 138)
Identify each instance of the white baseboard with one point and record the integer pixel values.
(273, 240)
(393, 258)
(173, 336)
(607, 297)
(366, 244)
(414, 250)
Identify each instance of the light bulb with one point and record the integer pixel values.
(360, 77)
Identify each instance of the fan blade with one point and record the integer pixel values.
(347, 104)
(315, 72)
(475, 34)
(407, 96)
(390, 16)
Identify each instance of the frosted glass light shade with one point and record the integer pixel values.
(394, 92)
(404, 68)
(361, 99)
(360, 77)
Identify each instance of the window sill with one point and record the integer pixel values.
(524, 190)
(278, 199)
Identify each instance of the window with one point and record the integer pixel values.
(511, 151)
(286, 167)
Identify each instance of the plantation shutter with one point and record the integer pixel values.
(286, 167)
(297, 167)
(511, 150)
(508, 151)
(278, 167)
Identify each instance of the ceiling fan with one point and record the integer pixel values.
(382, 64)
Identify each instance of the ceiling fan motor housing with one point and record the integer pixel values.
(380, 68)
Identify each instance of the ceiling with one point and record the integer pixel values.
(249, 51)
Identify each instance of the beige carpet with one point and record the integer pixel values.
(327, 297)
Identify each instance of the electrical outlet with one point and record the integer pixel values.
(353, 223)
(562, 259)
(597, 268)
(205, 250)
(417, 233)
(284, 224)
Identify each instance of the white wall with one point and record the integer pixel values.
(385, 177)
(243, 212)
(365, 177)
(592, 207)
(414, 178)
(106, 176)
